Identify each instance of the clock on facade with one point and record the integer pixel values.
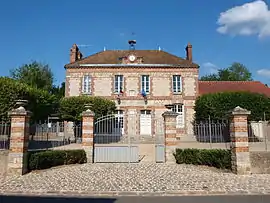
(132, 58)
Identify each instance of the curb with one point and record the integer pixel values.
(120, 193)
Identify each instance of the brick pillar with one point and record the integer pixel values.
(239, 141)
(17, 157)
(88, 133)
(170, 135)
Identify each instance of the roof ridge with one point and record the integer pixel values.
(149, 57)
(229, 81)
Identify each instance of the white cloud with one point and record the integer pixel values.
(264, 72)
(210, 67)
(248, 19)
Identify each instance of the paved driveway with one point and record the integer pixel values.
(127, 179)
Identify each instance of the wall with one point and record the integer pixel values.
(160, 88)
(260, 162)
(3, 162)
(259, 130)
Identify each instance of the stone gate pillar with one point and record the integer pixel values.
(170, 135)
(239, 141)
(88, 133)
(19, 136)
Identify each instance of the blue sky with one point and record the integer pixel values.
(221, 32)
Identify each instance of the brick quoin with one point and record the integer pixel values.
(170, 135)
(239, 119)
(241, 149)
(240, 139)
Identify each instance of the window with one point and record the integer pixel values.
(118, 83)
(86, 86)
(145, 84)
(177, 84)
(180, 120)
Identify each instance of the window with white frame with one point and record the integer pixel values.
(145, 84)
(177, 84)
(86, 84)
(118, 83)
(180, 119)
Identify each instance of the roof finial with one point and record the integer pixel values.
(132, 44)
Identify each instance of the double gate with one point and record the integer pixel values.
(117, 139)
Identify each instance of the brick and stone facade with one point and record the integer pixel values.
(170, 135)
(160, 76)
(239, 141)
(88, 133)
(17, 157)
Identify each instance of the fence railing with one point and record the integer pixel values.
(216, 134)
(52, 135)
(5, 129)
(213, 132)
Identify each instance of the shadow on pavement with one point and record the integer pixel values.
(139, 199)
(36, 199)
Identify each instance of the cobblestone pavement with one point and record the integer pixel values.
(139, 178)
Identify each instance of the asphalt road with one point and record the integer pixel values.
(184, 199)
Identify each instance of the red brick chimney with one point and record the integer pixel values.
(189, 52)
(75, 53)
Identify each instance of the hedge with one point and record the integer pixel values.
(219, 158)
(72, 107)
(47, 159)
(218, 105)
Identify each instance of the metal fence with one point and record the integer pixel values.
(213, 132)
(52, 135)
(216, 134)
(5, 129)
(208, 135)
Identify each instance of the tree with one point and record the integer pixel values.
(35, 75)
(239, 72)
(211, 77)
(59, 91)
(40, 102)
(236, 72)
(72, 107)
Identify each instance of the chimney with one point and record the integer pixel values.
(74, 52)
(189, 52)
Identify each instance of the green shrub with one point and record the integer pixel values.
(218, 105)
(219, 158)
(72, 107)
(47, 159)
(40, 102)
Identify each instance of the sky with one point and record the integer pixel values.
(221, 31)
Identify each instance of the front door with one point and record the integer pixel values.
(145, 122)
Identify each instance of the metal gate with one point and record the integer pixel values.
(115, 138)
(159, 140)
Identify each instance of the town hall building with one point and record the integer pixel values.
(142, 82)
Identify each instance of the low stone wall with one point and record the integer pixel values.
(3, 162)
(260, 162)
